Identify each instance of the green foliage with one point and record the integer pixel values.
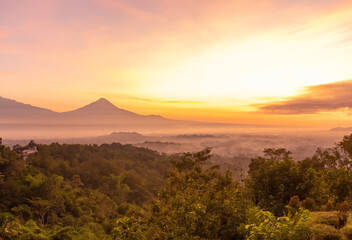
(334, 164)
(329, 206)
(264, 225)
(294, 204)
(324, 232)
(277, 154)
(23, 212)
(77, 192)
(196, 203)
(346, 146)
(327, 176)
(274, 180)
(130, 228)
(309, 204)
(92, 231)
(31, 231)
(326, 218)
(347, 232)
(8, 226)
(62, 189)
(67, 233)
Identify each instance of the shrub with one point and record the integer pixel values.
(343, 207)
(129, 228)
(8, 226)
(329, 206)
(91, 231)
(264, 225)
(309, 203)
(327, 218)
(324, 232)
(347, 232)
(294, 202)
(23, 211)
(343, 212)
(30, 230)
(66, 233)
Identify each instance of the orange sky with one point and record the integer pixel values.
(246, 61)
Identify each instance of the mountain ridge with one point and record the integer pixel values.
(99, 117)
(101, 105)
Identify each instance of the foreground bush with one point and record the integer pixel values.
(327, 218)
(347, 232)
(8, 226)
(324, 232)
(263, 225)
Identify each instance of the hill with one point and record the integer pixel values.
(341, 129)
(17, 112)
(19, 120)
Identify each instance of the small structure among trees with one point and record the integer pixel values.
(32, 148)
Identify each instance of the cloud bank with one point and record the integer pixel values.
(329, 97)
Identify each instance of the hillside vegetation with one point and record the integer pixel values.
(115, 191)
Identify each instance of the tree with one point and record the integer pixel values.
(8, 226)
(41, 209)
(263, 225)
(273, 179)
(196, 203)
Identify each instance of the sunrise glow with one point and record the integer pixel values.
(223, 61)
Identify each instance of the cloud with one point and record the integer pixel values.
(126, 7)
(150, 100)
(314, 99)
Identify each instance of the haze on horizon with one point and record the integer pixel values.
(254, 62)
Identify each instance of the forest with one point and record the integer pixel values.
(115, 191)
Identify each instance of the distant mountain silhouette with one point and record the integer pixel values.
(11, 110)
(341, 129)
(99, 117)
(103, 112)
(101, 107)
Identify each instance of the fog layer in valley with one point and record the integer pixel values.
(102, 122)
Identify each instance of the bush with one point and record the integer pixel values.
(347, 232)
(91, 231)
(8, 226)
(30, 230)
(309, 203)
(68, 220)
(294, 202)
(66, 233)
(327, 218)
(343, 212)
(343, 207)
(325, 232)
(23, 211)
(329, 206)
(264, 225)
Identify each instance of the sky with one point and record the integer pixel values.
(285, 62)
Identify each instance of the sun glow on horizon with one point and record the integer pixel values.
(268, 65)
(178, 59)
